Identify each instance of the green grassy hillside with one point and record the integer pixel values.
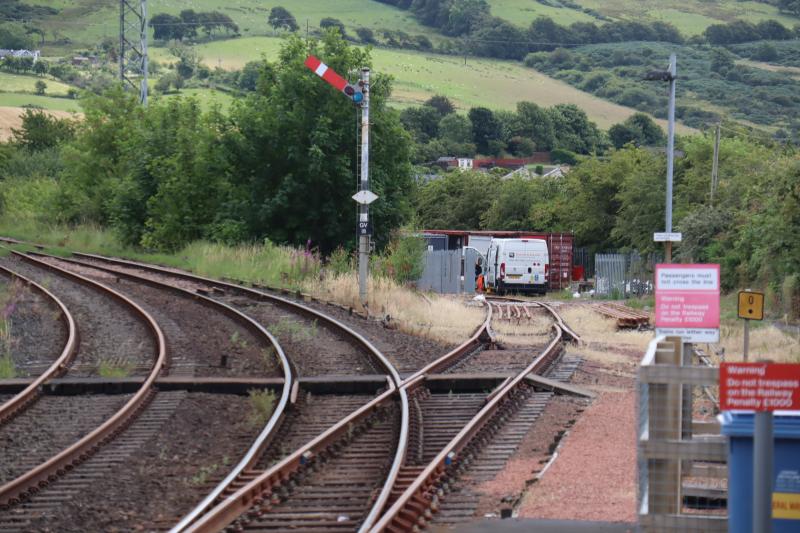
(16, 83)
(481, 82)
(689, 16)
(82, 23)
(86, 22)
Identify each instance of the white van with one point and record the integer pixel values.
(517, 265)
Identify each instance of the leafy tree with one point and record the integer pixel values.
(166, 27)
(40, 131)
(639, 129)
(423, 43)
(721, 60)
(500, 39)
(366, 35)
(640, 196)
(574, 131)
(456, 201)
(292, 147)
(790, 6)
(41, 87)
(329, 22)
(536, 124)
(464, 16)
(766, 52)
(248, 77)
(422, 122)
(190, 22)
(521, 146)
(40, 68)
(564, 157)
(455, 129)
(485, 128)
(523, 204)
(280, 17)
(441, 104)
(14, 36)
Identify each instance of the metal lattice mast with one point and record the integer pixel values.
(133, 46)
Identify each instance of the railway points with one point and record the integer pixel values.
(339, 415)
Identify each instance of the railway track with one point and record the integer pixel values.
(291, 477)
(439, 422)
(484, 440)
(98, 422)
(13, 405)
(382, 427)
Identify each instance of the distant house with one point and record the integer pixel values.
(465, 163)
(446, 162)
(33, 54)
(558, 171)
(84, 60)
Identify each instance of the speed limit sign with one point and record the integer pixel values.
(751, 305)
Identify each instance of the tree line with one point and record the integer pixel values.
(279, 164)
(752, 226)
(486, 35)
(439, 131)
(189, 22)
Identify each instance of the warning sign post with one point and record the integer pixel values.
(759, 387)
(687, 302)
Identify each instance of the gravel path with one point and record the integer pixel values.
(594, 475)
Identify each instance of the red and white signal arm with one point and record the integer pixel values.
(335, 80)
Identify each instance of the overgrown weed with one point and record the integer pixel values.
(262, 404)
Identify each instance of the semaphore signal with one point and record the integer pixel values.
(354, 92)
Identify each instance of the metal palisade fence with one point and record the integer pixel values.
(622, 275)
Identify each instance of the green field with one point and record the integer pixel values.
(46, 102)
(689, 16)
(18, 83)
(418, 76)
(206, 97)
(86, 22)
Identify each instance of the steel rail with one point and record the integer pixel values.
(29, 483)
(23, 399)
(288, 393)
(393, 376)
(238, 503)
(412, 504)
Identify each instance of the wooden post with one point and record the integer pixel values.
(665, 414)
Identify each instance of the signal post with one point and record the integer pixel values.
(359, 94)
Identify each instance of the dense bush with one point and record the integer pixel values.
(171, 173)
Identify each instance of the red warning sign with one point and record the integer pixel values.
(759, 387)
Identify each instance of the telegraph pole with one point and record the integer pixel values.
(363, 216)
(669, 75)
(673, 68)
(715, 166)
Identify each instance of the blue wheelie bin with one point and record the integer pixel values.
(738, 427)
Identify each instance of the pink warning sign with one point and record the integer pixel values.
(687, 302)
